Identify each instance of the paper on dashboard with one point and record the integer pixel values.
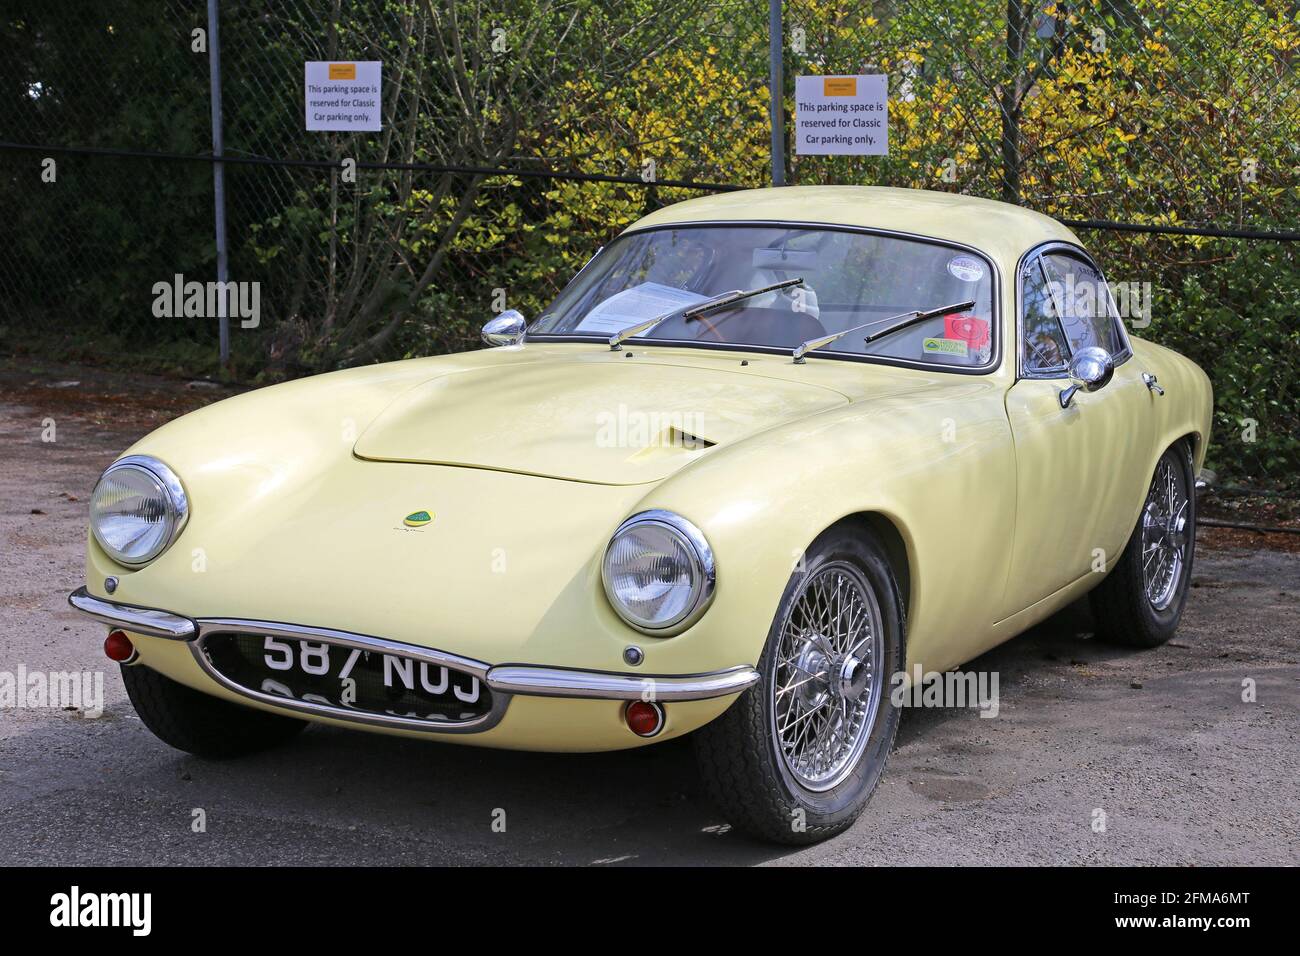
(641, 302)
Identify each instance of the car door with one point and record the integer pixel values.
(1078, 468)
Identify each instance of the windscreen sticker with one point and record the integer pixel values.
(944, 347)
(966, 268)
(968, 328)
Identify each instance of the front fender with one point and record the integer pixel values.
(937, 463)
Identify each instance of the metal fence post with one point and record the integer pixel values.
(775, 47)
(218, 179)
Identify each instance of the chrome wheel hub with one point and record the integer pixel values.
(853, 678)
(1165, 534)
(813, 664)
(828, 675)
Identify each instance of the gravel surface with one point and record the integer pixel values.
(1159, 741)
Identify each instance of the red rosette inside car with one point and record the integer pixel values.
(970, 329)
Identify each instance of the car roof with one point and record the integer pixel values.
(997, 228)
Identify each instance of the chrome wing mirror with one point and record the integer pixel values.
(508, 328)
(1090, 369)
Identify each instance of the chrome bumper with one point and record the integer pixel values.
(142, 620)
(504, 679)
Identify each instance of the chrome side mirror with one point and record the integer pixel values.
(508, 328)
(1090, 369)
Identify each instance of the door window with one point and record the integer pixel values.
(1045, 351)
(1083, 299)
(1066, 306)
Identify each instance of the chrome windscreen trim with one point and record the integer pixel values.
(141, 620)
(533, 681)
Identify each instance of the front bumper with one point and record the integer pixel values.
(504, 680)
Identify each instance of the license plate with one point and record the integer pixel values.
(349, 677)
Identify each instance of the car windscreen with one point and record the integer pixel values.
(850, 278)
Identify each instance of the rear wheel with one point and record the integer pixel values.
(199, 723)
(1141, 601)
(797, 757)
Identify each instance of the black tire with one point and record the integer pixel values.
(738, 754)
(199, 723)
(1124, 614)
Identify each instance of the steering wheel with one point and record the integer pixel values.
(1041, 354)
(709, 329)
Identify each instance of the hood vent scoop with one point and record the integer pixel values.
(671, 443)
(675, 437)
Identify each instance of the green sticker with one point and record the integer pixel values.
(417, 518)
(944, 346)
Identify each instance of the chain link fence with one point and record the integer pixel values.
(519, 137)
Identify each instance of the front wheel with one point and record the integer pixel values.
(201, 724)
(797, 757)
(1141, 601)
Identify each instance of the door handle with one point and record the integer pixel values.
(1152, 383)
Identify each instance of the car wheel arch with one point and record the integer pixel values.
(1196, 442)
(893, 537)
(1192, 440)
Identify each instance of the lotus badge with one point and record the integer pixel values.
(417, 519)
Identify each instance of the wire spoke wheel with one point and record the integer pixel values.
(796, 758)
(1165, 534)
(828, 675)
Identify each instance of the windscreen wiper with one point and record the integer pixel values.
(908, 319)
(690, 312)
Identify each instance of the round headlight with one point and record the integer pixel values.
(137, 510)
(658, 572)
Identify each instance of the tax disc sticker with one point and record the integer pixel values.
(966, 268)
(944, 346)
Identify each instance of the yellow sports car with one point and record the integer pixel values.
(765, 455)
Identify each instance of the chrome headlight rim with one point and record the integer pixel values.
(704, 572)
(178, 507)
